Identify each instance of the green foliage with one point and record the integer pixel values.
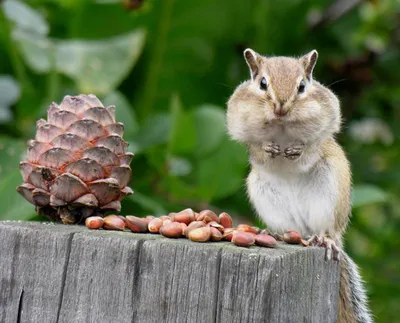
(11, 152)
(367, 194)
(9, 94)
(170, 66)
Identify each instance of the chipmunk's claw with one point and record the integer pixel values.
(294, 151)
(272, 149)
(332, 251)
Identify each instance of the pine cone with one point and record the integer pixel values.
(77, 165)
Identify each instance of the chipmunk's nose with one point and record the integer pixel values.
(279, 109)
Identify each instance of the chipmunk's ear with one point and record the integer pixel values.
(253, 60)
(308, 61)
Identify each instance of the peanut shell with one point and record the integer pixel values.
(113, 222)
(207, 216)
(136, 224)
(242, 239)
(186, 216)
(194, 225)
(216, 235)
(265, 240)
(171, 230)
(155, 225)
(225, 220)
(200, 234)
(292, 237)
(94, 222)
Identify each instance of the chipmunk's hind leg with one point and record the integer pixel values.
(331, 248)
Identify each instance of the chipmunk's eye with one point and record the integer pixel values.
(263, 84)
(302, 86)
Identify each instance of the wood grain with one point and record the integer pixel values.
(58, 273)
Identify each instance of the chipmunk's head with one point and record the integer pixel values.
(281, 91)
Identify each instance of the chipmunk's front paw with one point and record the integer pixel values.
(294, 151)
(272, 149)
(331, 249)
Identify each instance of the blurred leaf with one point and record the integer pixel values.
(367, 194)
(68, 4)
(9, 94)
(107, 1)
(12, 151)
(115, 19)
(210, 128)
(25, 17)
(36, 49)
(148, 203)
(99, 66)
(13, 205)
(179, 166)
(183, 50)
(124, 112)
(182, 136)
(178, 190)
(155, 131)
(223, 172)
(157, 160)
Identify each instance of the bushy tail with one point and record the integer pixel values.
(353, 303)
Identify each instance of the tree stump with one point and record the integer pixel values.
(59, 273)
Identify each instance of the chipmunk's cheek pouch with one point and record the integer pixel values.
(313, 110)
(268, 115)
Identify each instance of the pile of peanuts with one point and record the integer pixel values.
(198, 227)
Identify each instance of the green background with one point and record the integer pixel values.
(170, 65)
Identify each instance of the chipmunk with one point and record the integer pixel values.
(300, 178)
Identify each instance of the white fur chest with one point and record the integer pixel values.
(294, 199)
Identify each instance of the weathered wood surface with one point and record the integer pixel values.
(57, 273)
